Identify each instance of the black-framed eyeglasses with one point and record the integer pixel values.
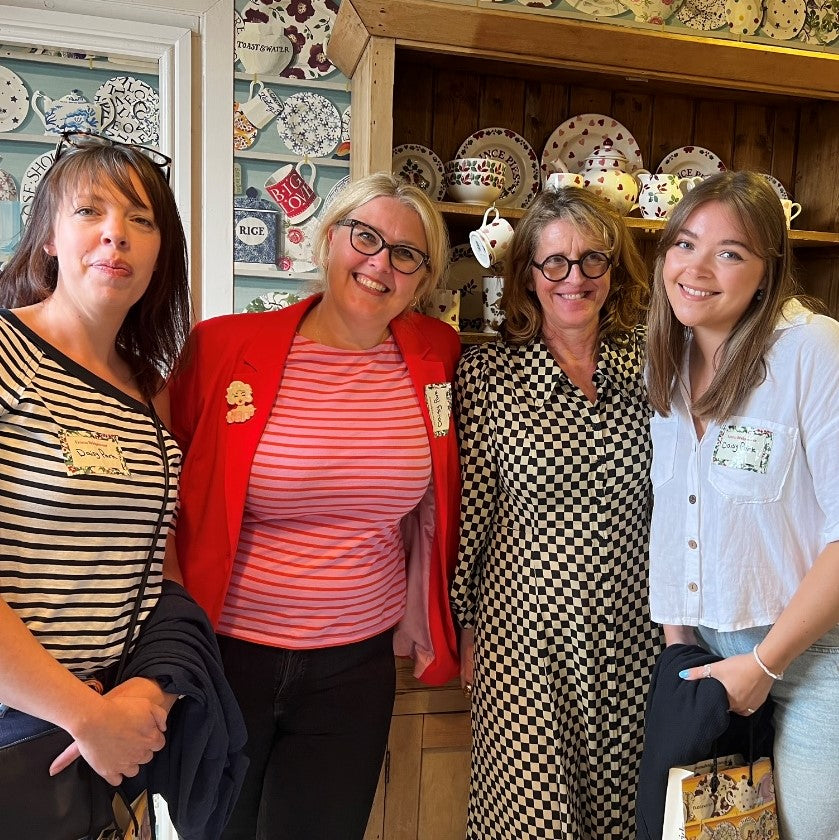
(593, 264)
(86, 140)
(368, 241)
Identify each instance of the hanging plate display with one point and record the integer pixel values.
(703, 14)
(783, 19)
(821, 22)
(504, 144)
(574, 140)
(418, 165)
(776, 185)
(14, 100)
(31, 178)
(308, 25)
(137, 118)
(597, 8)
(465, 274)
(652, 11)
(689, 161)
(309, 124)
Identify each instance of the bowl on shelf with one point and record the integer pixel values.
(475, 180)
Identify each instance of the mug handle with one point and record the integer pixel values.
(794, 209)
(299, 167)
(491, 209)
(254, 82)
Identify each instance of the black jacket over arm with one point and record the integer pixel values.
(200, 770)
(684, 719)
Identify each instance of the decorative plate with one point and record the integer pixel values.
(821, 22)
(688, 161)
(244, 131)
(418, 165)
(776, 185)
(309, 124)
(8, 189)
(138, 110)
(308, 25)
(652, 11)
(504, 144)
(744, 16)
(31, 178)
(271, 301)
(575, 139)
(537, 4)
(783, 19)
(702, 14)
(343, 149)
(465, 274)
(336, 190)
(238, 26)
(14, 100)
(597, 8)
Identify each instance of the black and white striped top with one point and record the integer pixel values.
(81, 487)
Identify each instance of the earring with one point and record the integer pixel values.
(759, 295)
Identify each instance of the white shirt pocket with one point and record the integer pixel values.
(751, 459)
(665, 434)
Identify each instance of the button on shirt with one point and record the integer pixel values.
(740, 515)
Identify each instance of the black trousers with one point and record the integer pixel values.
(317, 722)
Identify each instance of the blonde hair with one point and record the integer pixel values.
(384, 185)
(593, 217)
(740, 365)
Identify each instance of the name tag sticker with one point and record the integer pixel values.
(438, 398)
(92, 453)
(743, 448)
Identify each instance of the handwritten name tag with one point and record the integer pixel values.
(438, 398)
(92, 453)
(743, 448)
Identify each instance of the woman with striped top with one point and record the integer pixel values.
(99, 308)
(319, 507)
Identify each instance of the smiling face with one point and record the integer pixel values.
(710, 273)
(571, 305)
(107, 246)
(367, 290)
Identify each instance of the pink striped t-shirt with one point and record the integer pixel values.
(343, 458)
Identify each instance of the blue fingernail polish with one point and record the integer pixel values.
(683, 674)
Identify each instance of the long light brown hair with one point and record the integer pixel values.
(593, 217)
(739, 365)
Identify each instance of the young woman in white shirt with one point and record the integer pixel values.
(744, 557)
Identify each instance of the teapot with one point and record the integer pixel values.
(660, 193)
(73, 112)
(605, 173)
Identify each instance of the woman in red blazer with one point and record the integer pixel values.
(320, 496)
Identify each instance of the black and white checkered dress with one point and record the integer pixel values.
(552, 574)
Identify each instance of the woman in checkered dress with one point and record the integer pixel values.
(551, 584)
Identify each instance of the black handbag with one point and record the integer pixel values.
(77, 803)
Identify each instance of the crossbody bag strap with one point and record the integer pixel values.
(135, 614)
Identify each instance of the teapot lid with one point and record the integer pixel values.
(607, 150)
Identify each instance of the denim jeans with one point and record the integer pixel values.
(318, 722)
(806, 732)
(15, 725)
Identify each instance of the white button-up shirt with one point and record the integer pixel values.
(740, 515)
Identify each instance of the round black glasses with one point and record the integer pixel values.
(593, 264)
(85, 140)
(368, 241)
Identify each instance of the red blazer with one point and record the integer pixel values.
(218, 455)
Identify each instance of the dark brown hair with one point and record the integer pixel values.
(154, 330)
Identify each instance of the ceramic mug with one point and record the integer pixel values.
(262, 107)
(558, 180)
(492, 289)
(293, 192)
(491, 241)
(791, 209)
(444, 304)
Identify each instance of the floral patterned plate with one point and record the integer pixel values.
(271, 301)
(574, 140)
(597, 8)
(776, 185)
(821, 23)
(689, 161)
(418, 165)
(465, 274)
(652, 11)
(309, 124)
(137, 104)
(308, 25)
(504, 144)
